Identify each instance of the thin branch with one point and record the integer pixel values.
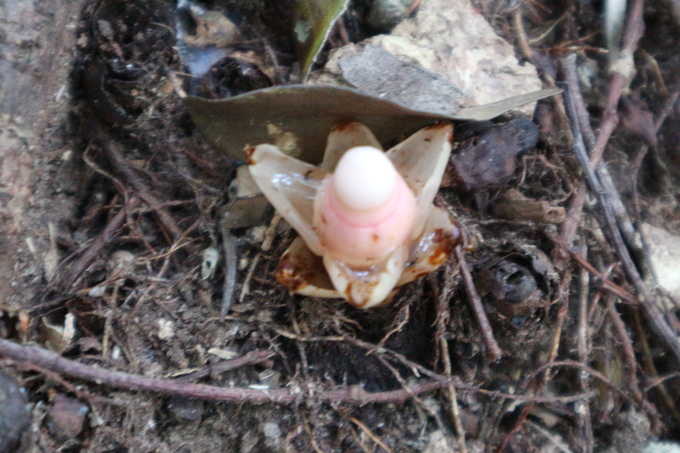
(584, 355)
(649, 307)
(370, 434)
(494, 351)
(112, 149)
(53, 362)
(251, 358)
(230, 264)
(70, 277)
(350, 395)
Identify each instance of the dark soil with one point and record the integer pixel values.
(107, 222)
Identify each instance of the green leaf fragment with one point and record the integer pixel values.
(313, 22)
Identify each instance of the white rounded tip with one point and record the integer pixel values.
(364, 178)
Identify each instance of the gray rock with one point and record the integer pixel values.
(15, 413)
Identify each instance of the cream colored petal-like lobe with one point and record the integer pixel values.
(290, 185)
(366, 287)
(421, 160)
(441, 234)
(303, 272)
(343, 137)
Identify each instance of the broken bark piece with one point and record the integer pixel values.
(513, 205)
(247, 206)
(489, 159)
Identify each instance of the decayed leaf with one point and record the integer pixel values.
(58, 337)
(488, 159)
(514, 205)
(313, 22)
(311, 111)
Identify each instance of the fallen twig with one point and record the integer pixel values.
(649, 307)
(494, 350)
(583, 411)
(370, 434)
(101, 376)
(442, 295)
(350, 395)
(69, 278)
(251, 358)
(608, 284)
(568, 65)
(412, 9)
(230, 263)
(110, 146)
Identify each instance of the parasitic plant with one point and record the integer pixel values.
(365, 217)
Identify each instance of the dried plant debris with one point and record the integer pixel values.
(486, 159)
(513, 205)
(530, 332)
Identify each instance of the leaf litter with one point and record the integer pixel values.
(578, 352)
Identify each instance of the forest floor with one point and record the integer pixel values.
(553, 329)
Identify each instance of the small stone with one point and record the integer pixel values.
(65, 417)
(271, 430)
(439, 442)
(15, 413)
(384, 15)
(184, 408)
(211, 257)
(664, 256)
(166, 329)
(661, 447)
(120, 260)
